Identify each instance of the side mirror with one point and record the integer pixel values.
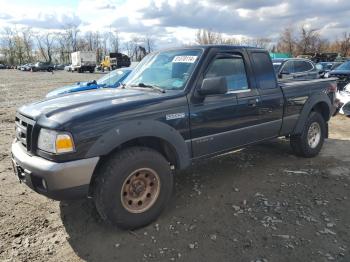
(213, 86)
(284, 72)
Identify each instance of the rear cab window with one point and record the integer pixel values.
(263, 70)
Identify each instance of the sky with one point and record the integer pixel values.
(175, 22)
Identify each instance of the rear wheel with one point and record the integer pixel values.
(310, 141)
(133, 187)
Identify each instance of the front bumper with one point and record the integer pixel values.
(60, 181)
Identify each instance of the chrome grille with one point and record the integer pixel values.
(24, 127)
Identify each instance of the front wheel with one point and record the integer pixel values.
(310, 141)
(133, 187)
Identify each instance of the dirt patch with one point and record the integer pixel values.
(258, 204)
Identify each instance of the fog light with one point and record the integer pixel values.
(43, 182)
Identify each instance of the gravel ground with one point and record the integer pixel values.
(257, 204)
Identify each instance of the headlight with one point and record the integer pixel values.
(55, 142)
(326, 75)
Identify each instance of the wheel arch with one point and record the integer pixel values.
(320, 103)
(149, 133)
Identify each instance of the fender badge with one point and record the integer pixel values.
(175, 116)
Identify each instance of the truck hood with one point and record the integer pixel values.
(62, 108)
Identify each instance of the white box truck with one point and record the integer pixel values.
(83, 61)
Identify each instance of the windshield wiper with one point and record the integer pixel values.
(149, 86)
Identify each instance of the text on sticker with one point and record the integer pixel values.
(184, 59)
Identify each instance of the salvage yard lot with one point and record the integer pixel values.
(258, 204)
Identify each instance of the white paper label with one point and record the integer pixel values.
(184, 59)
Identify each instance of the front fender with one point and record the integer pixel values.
(141, 128)
(309, 105)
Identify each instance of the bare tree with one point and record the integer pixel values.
(114, 41)
(287, 41)
(9, 45)
(27, 35)
(63, 47)
(130, 47)
(309, 39)
(205, 37)
(46, 46)
(149, 44)
(262, 42)
(18, 47)
(344, 44)
(72, 33)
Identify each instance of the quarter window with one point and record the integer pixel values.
(264, 74)
(232, 68)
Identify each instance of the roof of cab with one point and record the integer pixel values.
(213, 46)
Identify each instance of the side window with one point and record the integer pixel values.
(288, 67)
(263, 70)
(232, 68)
(302, 66)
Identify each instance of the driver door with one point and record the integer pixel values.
(218, 121)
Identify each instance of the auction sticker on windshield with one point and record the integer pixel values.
(185, 59)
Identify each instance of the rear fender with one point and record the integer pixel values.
(309, 106)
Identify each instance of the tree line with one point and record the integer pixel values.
(24, 45)
(295, 41)
(19, 46)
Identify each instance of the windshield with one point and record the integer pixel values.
(112, 78)
(335, 65)
(344, 66)
(168, 70)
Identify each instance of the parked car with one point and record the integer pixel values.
(68, 68)
(19, 67)
(120, 146)
(295, 68)
(342, 72)
(59, 67)
(325, 67)
(27, 67)
(42, 66)
(344, 98)
(2, 66)
(112, 80)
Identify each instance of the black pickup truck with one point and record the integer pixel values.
(121, 146)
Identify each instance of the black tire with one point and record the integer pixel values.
(300, 144)
(111, 177)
